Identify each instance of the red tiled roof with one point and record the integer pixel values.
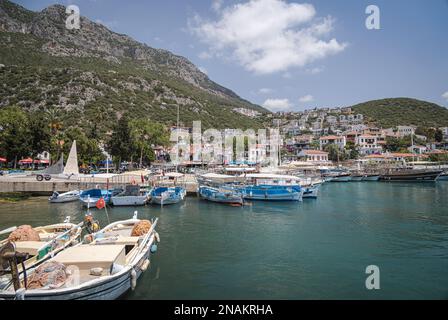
(331, 137)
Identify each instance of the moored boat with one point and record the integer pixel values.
(272, 187)
(36, 245)
(311, 191)
(90, 197)
(342, 177)
(70, 196)
(103, 269)
(371, 177)
(443, 176)
(132, 196)
(411, 175)
(168, 195)
(357, 177)
(220, 195)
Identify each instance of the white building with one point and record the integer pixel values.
(368, 144)
(340, 141)
(332, 119)
(314, 156)
(418, 149)
(404, 131)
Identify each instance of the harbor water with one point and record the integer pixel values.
(317, 249)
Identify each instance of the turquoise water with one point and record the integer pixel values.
(318, 249)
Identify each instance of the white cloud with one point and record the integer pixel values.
(315, 70)
(203, 70)
(204, 55)
(265, 91)
(217, 5)
(277, 104)
(307, 98)
(445, 96)
(267, 36)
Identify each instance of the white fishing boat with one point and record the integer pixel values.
(132, 196)
(103, 269)
(70, 196)
(37, 245)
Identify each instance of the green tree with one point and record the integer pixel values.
(438, 136)
(14, 134)
(120, 144)
(40, 134)
(398, 144)
(145, 135)
(88, 149)
(351, 150)
(334, 152)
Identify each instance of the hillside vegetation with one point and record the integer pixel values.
(403, 111)
(94, 76)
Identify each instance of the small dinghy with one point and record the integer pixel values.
(220, 195)
(311, 191)
(167, 195)
(33, 246)
(105, 267)
(70, 196)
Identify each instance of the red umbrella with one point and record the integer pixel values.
(3, 160)
(26, 161)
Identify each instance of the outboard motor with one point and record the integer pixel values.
(54, 196)
(9, 260)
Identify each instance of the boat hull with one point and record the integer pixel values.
(64, 197)
(129, 201)
(112, 289)
(371, 178)
(219, 197)
(167, 196)
(260, 193)
(430, 176)
(341, 179)
(310, 192)
(357, 178)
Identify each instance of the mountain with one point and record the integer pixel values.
(403, 111)
(94, 71)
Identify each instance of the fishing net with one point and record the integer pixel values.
(24, 233)
(141, 228)
(49, 274)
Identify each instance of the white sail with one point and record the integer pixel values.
(71, 167)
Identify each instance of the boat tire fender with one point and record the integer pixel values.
(133, 279)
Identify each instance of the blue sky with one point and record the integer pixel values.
(292, 55)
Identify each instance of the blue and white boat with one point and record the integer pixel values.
(272, 187)
(221, 195)
(168, 195)
(89, 198)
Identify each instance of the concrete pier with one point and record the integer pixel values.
(11, 184)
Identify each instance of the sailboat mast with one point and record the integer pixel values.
(177, 138)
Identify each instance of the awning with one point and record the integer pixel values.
(26, 161)
(3, 160)
(41, 161)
